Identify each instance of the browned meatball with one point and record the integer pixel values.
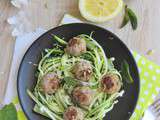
(76, 46)
(110, 83)
(73, 113)
(50, 83)
(83, 95)
(82, 70)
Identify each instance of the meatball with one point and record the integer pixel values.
(83, 95)
(76, 46)
(82, 70)
(110, 83)
(73, 113)
(50, 83)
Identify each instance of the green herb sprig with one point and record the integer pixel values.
(126, 72)
(131, 17)
(8, 112)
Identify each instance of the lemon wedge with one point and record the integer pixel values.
(100, 10)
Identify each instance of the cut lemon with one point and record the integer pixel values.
(100, 10)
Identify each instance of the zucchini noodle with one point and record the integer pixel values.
(57, 60)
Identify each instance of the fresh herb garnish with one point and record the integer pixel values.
(133, 19)
(125, 72)
(71, 82)
(125, 19)
(8, 112)
(130, 16)
(88, 56)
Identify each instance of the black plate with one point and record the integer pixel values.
(113, 47)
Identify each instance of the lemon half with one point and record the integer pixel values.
(100, 10)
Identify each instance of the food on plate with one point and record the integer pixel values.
(73, 113)
(82, 70)
(76, 46)
(50, 83)
(76, 81)
(83, 95)
(111, 83)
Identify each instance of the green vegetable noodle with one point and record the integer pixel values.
(76, 81)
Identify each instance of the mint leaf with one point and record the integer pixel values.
(125, 18)
(125, 72)
(133, 18)
(8, 112)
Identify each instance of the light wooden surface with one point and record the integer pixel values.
(6, 44)
(47, 14)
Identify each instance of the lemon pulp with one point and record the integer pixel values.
(100, 10)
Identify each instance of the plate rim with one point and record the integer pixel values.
(58, 27)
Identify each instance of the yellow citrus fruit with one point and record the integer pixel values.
(100, 10)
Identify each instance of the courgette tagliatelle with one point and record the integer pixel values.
(76, 81)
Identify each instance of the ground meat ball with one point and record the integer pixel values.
(50, 83)
(76, 46)
(111, 83)
(73, 113)
(82, 70)
(83, 95)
